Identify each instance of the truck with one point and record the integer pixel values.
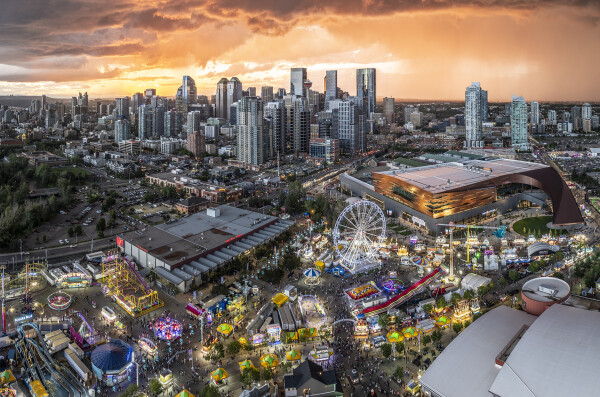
(56, 337)
(78, 366)
(52, 334)
(5, 341)
(76, 349)
(59, 344)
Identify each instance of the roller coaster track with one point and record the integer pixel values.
(60, 376)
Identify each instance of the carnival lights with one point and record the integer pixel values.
(167, 328)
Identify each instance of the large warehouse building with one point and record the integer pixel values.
(181, 252)
(460, 191)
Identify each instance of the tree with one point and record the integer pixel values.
(481, 290)
(234, 347)
(101, 225)
(249, 376)
(400, 347)
(131, 390)
(384, 320)
(428, 308)
(467, 323)
(290, 261)
(268, 374)
(534, 267)
(210, 391)
(503, 282)
(386, 350)
(78, 230)
(559, 275)
(399, 372)
(426, 340)
(491, 286)
(455, 298)
(514, 275)
(440, 303)
(70, 231)
(469, 294)
(436, 336)
(155, 386)
(457, 327)
(217, 352)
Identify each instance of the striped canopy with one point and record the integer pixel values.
(410, 332)
(225, 329)
(395, 336)
(245, 364)
(219, 374)
(269, 360)
(293, 355)
(312, 272)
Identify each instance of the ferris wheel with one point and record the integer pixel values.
(358, 233)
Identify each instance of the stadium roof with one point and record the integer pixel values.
(467, 366)
(112, 356)
(557, 356)
(546, 289)
(443, 177)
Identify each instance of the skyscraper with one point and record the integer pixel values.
(388, 109)
(266, 94)
(196, 143)
(352, 125)
(552, 117)
(484, 105)
(122, 106)
(194, 122)
(137, 99)
(151, 121)
(186, 94)
(586, 111)
(297, 78)
(234, 93)
(251, 91)
(251, 142)
(172, 127)
(274, 124)
(473, 116)
(122, 130)
(330, 87)
(221, 107)
(535, 112)
(366, 88)
(297, 119)
(518, 122)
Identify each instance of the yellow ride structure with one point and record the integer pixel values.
(122, 281)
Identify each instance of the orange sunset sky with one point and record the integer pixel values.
(428, 49)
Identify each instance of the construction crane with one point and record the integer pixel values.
(499, 233)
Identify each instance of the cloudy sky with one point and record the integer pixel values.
(422, 49)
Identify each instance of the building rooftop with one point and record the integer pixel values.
(546, 289)
(443, 177)
(475, 349)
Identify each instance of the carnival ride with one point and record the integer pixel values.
(86, 336)
(128, 288)
(28, 280)
(312, 310)
(59, 300)
(167, 328)
(40, 367)
(147, 345)
(359, 231)
(403, 296)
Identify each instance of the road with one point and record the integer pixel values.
(55, 253)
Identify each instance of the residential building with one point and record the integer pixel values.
(552, 117)
(310, 379)
(251, 141)
(388, 110)
(297, 119)
(170, 145)
(150, 122)
(192, 204)
(194, 123)
(366, 88)
(130, 146)
(352, 124)
(326, 149)
(266, 94)
(122, 107)
(196, 143)
(186, 95)
(473, 116)
(122, 130)
(518, 123)
(535, 112)
(586, 111)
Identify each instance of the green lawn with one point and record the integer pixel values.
(74, 171)
(535, 225)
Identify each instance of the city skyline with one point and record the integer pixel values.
(545, 51)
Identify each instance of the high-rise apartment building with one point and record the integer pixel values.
(535, 112)
(366, 88)
(297, 78)
(122, 130)
(173, 123)
(151, 122)
(122, 107)
(352, 125)
(266, 94)
(518, 123)
(137, 99)
(586, 111)
(196, 143)
(473, 116)
(251, 140)
(388, 109)
(50, 118)
(484, 105)
(330, 87)
(234, 93)
(194, 122)
(221, 107)
(274, 114)
(552, 117)
(251, 91)
(297, 119)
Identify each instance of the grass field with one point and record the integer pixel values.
(535, 225)
(74, 171)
